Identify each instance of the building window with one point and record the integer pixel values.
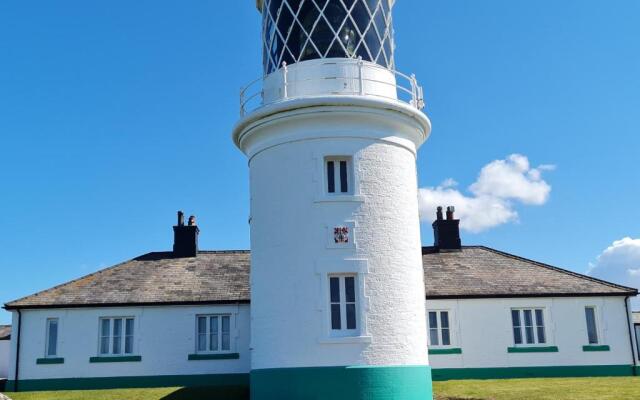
(116, 336)
(439, 328)
(342, 297)
(213, 333)
(592, 329)
(528, 326)
(337, 178)
(51, 345)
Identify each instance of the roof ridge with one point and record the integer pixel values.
(557, 269)
(223, 251)
(76, 280)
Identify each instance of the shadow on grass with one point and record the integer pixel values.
(210, 393)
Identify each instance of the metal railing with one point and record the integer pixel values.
(252, 96)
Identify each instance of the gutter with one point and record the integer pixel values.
(17, 367)
(631, 333)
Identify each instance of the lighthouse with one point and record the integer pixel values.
(331, 132)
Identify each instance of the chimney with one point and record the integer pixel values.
(446, 232)
(185, 238)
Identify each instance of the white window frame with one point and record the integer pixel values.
(342, 303)
(596, 321)
(337, 180)
(219, 333)
(535, 326)
(440, 329)
(122, 339)
(47, 333)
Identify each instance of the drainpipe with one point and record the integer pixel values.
(633, 350)
(16, 376)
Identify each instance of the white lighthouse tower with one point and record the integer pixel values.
(331, 133)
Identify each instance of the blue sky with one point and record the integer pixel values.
(113, 115)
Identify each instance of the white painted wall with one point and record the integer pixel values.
(164, 337)
(4, 358)
(291, 255)
(482, 328)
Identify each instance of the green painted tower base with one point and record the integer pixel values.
(342, 383)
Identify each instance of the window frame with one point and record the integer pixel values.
(123, 335)
(534, 326)
(47, 338)
(337, 176)
(344, 331)
(439, 328)
(596, 322)
(208, 317)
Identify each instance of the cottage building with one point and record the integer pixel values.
(170, 318)
(5, 338)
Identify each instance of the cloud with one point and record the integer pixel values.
(619, 263)
(500, 185)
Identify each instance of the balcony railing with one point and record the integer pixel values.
(358, 79)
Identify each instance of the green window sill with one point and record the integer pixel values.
(57, 360)
(109, 359)
(596, 348)
(452, 350)
(536, 349)
(225, 356)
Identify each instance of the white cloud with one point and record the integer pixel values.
(499, 186)
(619, 263)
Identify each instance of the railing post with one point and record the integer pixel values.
(360, 75)
(285, 70)
(241, 102)
(414, 91)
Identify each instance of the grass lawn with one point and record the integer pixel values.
(625, 388)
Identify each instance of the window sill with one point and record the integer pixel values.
(57, 360)
(451, 350)
(596, 348)
(224, 356)
(533, 349)
(340, 198)
(345, 340)
(110, 359)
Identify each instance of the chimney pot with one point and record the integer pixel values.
(180, 218)
(439, 213)
(450, 211)
(192, 220)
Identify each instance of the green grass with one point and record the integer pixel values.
(126, 394)
(505, 389)
(618, 388)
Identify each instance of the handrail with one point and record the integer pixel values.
(412, 90)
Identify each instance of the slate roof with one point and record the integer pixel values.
(223, 277)
(478, 271)
(154, 278)
(5, 332)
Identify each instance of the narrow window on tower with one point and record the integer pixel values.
(338, 175)
(342, 304)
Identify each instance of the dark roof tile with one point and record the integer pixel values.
(223, 277)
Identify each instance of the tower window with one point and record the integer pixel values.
(342, 298)
(337, 174)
